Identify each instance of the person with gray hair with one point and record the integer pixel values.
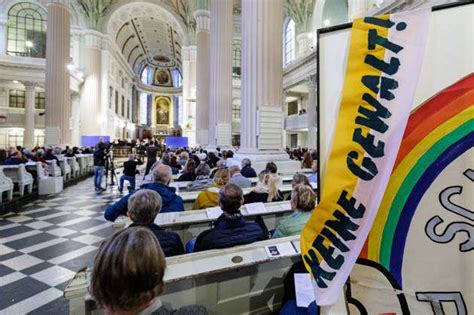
(162, 176)
(202, 181)
(143, 207)
(247, 169)
(236, 177)
(230, 229)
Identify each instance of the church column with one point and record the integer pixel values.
(357, 8)
(29, 136)
(189, 93)
(58, 100)
(202, 76)
(75, 119)
(262, 68)
(3, 37)
(220, 94)
(91, 90)
(312, 114)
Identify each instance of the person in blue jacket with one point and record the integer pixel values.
(230, 229)
(162, 177)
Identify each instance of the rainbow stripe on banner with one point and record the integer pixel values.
(438, 132)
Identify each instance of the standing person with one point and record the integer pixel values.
(151, 153)
(99, 165)
(129, 172)
(307, 160)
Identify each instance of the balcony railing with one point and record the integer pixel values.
(294, 122)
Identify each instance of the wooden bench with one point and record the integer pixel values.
(241, 279)
(19, 175)
(6, 184)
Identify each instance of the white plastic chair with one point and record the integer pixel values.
(6, 184)
(19, 175)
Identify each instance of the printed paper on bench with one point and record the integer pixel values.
(256, 208)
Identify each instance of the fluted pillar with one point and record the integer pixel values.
(58, 102)
(3, 37)
(357, 8)
(29, 135)
(75, 119)
(262, 65)
(312, 113)
(189, 93)
(220, 93)
(91, 95)
(202, 81)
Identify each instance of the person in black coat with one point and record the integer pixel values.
(143, 207)
(129, 172)
(230, 229)
(247, 169)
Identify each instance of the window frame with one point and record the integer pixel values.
(289, 42)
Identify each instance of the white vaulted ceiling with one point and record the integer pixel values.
(148, 35)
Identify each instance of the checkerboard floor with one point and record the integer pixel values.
(45, 243)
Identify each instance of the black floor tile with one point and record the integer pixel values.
(57, 250)
(14, 231)
(63, 218)
(60, 306)
(19, 290)
(85, 225)
(37, 268)
(4, 270)
(30, 241)
(43, 213)
(80, 262)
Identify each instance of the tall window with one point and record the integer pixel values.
(123, 106)
(177, 79)
(116, 102)
(289, 42)
(40, 100)
(235, 112)
(26, 30)
(17, 99)
(236, 59)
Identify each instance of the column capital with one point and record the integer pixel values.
(189, 53)
(311, 81)
(203, 20)
(29, 84)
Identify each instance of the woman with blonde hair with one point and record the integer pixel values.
(303, 201)
(266, 190)
(209, 198)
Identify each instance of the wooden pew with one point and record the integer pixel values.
(19, 175)
(241, 279)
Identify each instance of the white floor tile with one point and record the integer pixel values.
(38, 224)
(87, 213)
(12, 277)
(61, 232)
(22, 262)
(88, 239)
(8, 226)
(5, 250)
(97, 227)
(75, 221)
(54, 275)
(19, 218)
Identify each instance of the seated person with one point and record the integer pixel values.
(220, 164)
(271, 168)
(203, 181)
(189, 172)
(162, 178)
(230, 229)
(299, 179)
(143, 207)
(14, 159)
(236, 177)
(313, 178)
(303, 201)
(266, 189)
(127, 275)
(129, 172)
(209, 198)
(247, 169)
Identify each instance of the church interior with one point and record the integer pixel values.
(208, 129)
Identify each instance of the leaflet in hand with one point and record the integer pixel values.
(304, 289)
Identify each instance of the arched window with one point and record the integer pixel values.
(146, 75)
(289, 42)
(177, 79)
(26, 30)
(236, 59)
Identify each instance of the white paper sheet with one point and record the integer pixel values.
(256, 208)
(314, 185)
(166, 218)
(304, 289)
(214, 213)
(280, 250)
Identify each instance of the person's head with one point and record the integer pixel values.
(184, 156)
(246, 163)
(3, 155)
(128, 271)
(271, 182)
(303, 198)
(298, 179)
(220, 164)
(190, 166)
(314, 167)
(203, 170)
(144, 206)
(231, 198)
(229, 154)
(271, 167)
(165, 159)
(234, 170)
(162, 174)
(131, 157)
(221, 177)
